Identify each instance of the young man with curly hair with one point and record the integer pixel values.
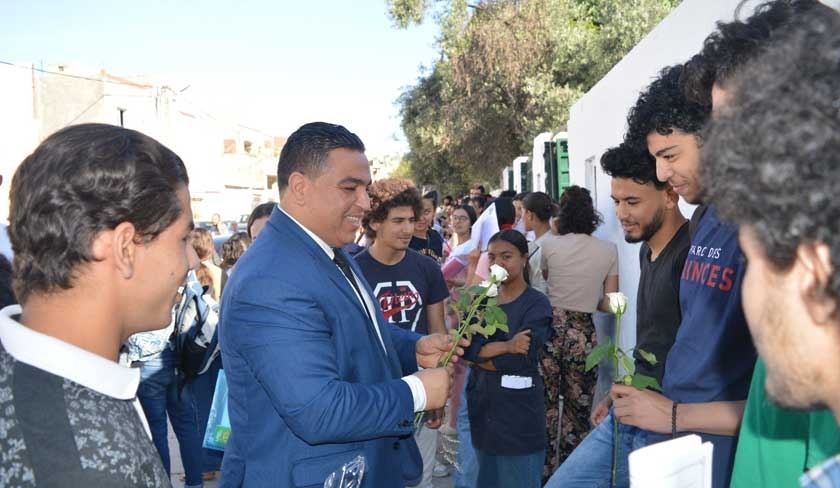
(408, 286)
(772, 165)
(708, 369)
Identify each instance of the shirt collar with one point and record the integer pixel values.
(65, 360)
(323, 245)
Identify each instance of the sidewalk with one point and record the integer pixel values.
(178, 468)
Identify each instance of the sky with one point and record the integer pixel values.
(268, 64)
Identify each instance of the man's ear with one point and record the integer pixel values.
(298, 184)
(815, 259)
(672, 199)
(124, 248)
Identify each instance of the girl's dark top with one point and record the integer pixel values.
(507, 420)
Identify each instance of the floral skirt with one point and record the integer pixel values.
(568, 389)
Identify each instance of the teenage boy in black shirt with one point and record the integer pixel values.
(648, 212)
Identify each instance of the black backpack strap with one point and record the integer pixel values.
(695, 219)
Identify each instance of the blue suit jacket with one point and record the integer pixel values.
(310, 386)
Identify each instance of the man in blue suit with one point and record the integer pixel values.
(316, 376)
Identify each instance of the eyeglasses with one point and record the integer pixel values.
(458, 218)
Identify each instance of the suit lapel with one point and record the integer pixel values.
(284, 228)
(384, 326)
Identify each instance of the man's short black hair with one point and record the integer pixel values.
(626, 161)
(662, 108)
(80, 181)
(773, 158)
(734, 43)
(306, 150)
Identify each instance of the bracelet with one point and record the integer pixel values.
(674, 418)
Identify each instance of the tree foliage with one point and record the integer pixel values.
(509, 70)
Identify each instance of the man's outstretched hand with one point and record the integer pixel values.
(433, 347)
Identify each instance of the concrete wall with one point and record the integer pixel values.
(598, 120)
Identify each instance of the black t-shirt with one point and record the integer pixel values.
(432, 246)
(658, 313)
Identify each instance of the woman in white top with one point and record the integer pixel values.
(580, 270)
(537, 210)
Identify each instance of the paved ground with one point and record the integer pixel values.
(178, 469)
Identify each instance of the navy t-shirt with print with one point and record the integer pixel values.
(713, 355)
(403, 290)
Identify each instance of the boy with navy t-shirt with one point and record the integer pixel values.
(408, 286)
(709, 367)
(404, 289)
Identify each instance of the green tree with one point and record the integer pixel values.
(509, 69)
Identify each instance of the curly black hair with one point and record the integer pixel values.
(577, 212)
(773, 159)
(626, 161)
(389, 193)
(662, 108)
(734, 43)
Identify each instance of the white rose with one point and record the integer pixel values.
(492, 288)
(618, 303)
(498, 274)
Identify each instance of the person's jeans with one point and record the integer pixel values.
(158, 394)
(524, 471)
(466, 471)
(426, 439)
(203, 387)
(590, 464)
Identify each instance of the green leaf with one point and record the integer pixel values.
(476, 290)
(491, 302)
(642, 382)
(464, 301)
(475, 328)
(495, 314)
(596, 355)
(629, 364)
(648, 356)
(489, 330)
(501, 326)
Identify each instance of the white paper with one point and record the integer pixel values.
(684, 462)
(517, 382)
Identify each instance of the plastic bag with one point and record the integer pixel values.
(348, 476)
(218, 424)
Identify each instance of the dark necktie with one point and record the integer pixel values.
(341, 262)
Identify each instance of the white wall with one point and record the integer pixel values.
(517, 172)
(538, 162)
(598, 120)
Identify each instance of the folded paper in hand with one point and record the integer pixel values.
(684, 462)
